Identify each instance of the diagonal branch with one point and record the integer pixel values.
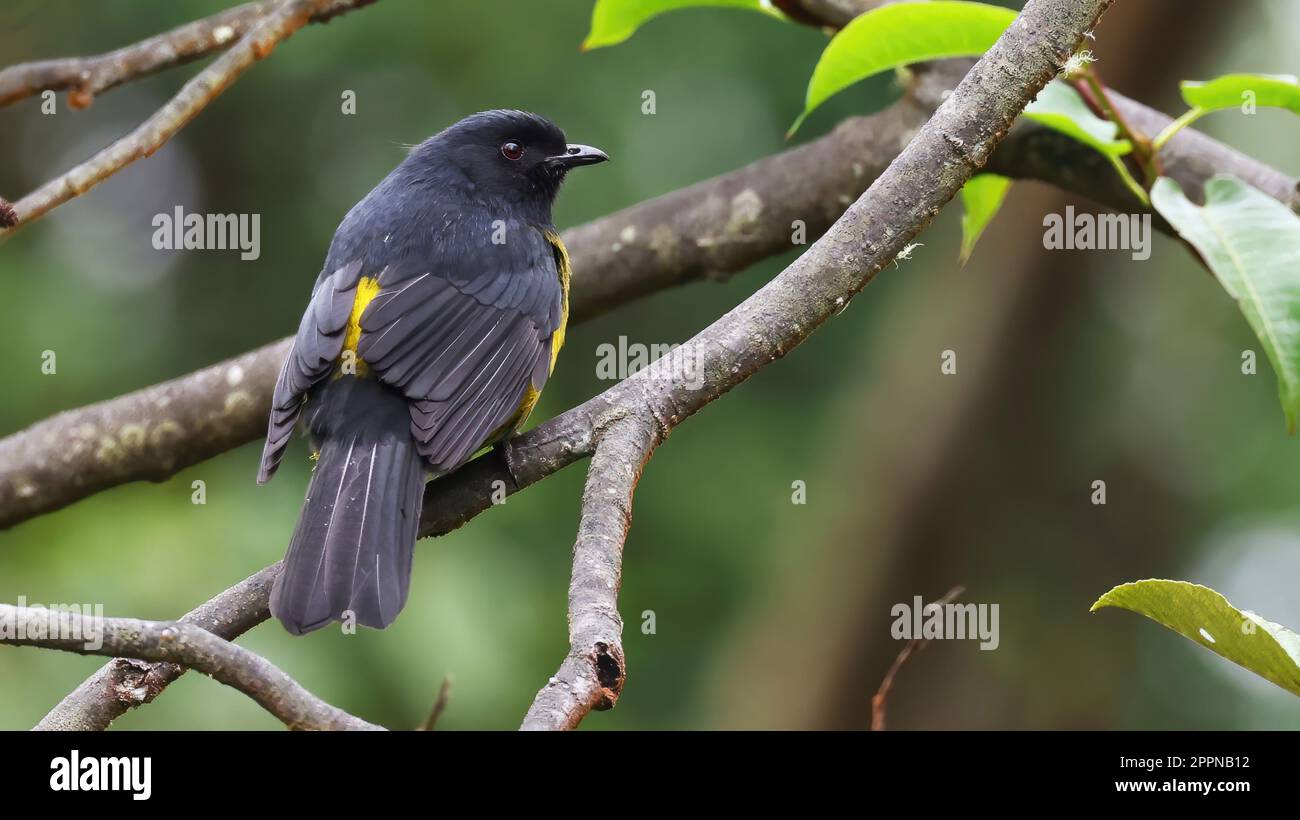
(711, 229)
(950, 148)
(87, 77)
(708, 230)
(150, 135)
(176, 643)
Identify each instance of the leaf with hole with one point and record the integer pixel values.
(1205, 617)
(1252, 244)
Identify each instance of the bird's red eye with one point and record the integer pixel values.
(512, 150)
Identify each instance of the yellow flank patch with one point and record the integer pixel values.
(526, 405)
(367, 290)
(531, 395)
(562, 263)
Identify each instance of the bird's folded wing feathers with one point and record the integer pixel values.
(315, 348)
(463, 350)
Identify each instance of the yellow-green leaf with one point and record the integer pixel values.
(613, 21)
(1252, 244)
(981, 197)
(1205, 617)
(1235, 90)
(898, 34)
(1059, 107)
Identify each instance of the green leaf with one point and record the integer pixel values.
(1204, 616)
(1230, 90)
(1252, 244)
(898, 34)
(981, 197)
(1060, 108)
(613, 21)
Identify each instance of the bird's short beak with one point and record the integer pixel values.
(575, 155)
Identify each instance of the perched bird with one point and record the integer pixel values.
(430, 333)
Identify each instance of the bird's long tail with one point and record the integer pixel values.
(350, 555)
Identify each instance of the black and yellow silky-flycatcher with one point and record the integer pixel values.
(431, 331)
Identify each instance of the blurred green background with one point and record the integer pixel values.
(1072, 367)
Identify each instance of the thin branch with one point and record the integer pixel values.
(439, 704)
(193, 97)
(592, 674)
(177, 643)
(124, 683)
(87, 77)
(1141, 142)
(914, 645)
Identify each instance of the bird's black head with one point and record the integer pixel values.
(514, 155)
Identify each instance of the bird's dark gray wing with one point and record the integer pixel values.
(465, 349)
(312, 356)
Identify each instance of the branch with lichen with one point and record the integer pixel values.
(179, 643)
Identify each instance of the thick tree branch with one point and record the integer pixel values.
(193, 97)
(711, 229)
(85, 78)
(592, 673)
(149, 434)
(177, 643)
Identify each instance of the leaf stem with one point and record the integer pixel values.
(1193, 114)
(1129, 182)
(1144, 151)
